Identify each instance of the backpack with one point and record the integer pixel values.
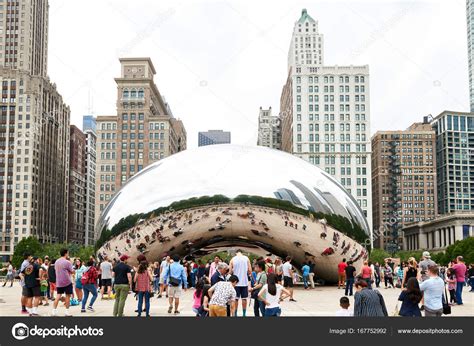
(89, 276)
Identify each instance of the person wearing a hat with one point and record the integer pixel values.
(122, 284)
(424, 264)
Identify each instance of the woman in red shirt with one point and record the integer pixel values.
(366, 274)
(142, 279)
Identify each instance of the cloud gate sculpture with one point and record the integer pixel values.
(266, 201)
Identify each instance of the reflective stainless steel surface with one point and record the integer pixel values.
(262, 197)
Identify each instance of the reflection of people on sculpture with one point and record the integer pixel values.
(323, 235)
(328, 251)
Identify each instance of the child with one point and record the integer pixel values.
(451, 280)
(344, 311)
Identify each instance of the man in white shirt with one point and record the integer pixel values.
(106, 277)
(240, 266)
(344, 310)
(287, 269)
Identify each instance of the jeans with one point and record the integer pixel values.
(147, 302)
(258, 308)
(192, 277)
(305, 280)
(471, 283)
(369, 283)
(377, 280)
(272, 312)
(89, 288)
(121, 294)
(349, 286)
(459, 286)
(156, 284)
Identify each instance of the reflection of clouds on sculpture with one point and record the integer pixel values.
(230, 174)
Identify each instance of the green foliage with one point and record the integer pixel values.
(463, 248)
(405, 255)
(35, 248)
(29, 245)
(378, 255)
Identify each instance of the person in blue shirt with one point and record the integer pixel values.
(175, 274)
(305, 269)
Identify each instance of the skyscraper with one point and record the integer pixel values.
(269, 129)
(470, 47)
(403, 181)
(455, 161)
(142, 132)
(213, 137)
(77, 187)
(34, 131)
(89, 128)
(325, 113)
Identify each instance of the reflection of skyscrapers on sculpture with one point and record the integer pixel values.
(230, 196)
(325, 113)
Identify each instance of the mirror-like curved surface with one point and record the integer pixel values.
(219, 196)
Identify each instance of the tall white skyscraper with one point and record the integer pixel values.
(269, 132)
(470, 47)
(325, 113)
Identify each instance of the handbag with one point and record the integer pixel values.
(175, 282)
(446, 306)
(254, 294)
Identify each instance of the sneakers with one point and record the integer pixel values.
(176, 312)
(67, 314)
(24, 312)
(54, 312)
(83, 310)
(292, 300)
(91, 309)
(170, 309)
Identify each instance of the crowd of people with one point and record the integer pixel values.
(423, 285)
(223, 288)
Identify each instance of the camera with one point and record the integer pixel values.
(21, 332)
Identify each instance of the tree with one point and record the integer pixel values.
(29, 245)
(378, 255)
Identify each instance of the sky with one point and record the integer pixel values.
(218, 62)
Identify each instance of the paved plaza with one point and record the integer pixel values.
(321, 301)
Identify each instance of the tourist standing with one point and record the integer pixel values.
(260, 281)
(89, 285)
(79, 269)
(305, 274)
(366, 274)
(410, 298)
(388, 276)
(410, 271)
(156, 277)
(176, 277)
(271, 295)
(213, 266)
(106, 278)
(424, 264)
(220, 274)
(222, 294)
(470, 275)
(64, 270)
(24, 291)
(142, 279)
(287, 270)
(341, 273)
(451, 281)
(433, 289)
(311, 273)
(377, 274)
(31, 277)
(349, 271)
(52, 278)
(163, 280)
(460, 271)
(9, 276)
(368, 302)
(240, 266)
(279, 270)
(122, 274)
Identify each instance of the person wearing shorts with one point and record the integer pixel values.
(287, 269)
(63, 268)
(177, 278)
(31, 290)
(106, 278)
(240, 266)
